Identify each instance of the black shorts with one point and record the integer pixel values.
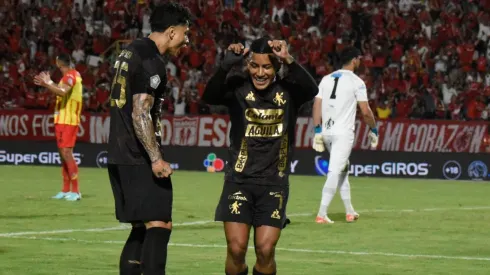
(251, 204)
(139, 196)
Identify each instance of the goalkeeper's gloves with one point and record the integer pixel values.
(318, 144)
(373, 138)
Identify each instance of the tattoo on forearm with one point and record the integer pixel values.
(156, 113)
(143, 125)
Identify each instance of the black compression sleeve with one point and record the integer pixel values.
(300, 77)
(216, 89)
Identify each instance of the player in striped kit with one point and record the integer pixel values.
(66, 120)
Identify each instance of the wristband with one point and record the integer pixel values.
(318, 129)
(374, 130)
(50, 82)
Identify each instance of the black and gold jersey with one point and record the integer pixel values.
(138, 69)
(262, 123)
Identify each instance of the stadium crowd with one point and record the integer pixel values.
(421, 59)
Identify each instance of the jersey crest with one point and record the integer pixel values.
(279, 100)
(155, 81)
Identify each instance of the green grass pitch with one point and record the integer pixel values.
(406, 227)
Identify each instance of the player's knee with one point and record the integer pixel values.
(62, 153)
(237, 251)
(346, 167)
(337, 170)
(345, 185)
(66, 153)
(162, 224)
(265, 252)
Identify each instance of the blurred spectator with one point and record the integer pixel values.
(421, 59)
(383, 111)
(475, 108)
(429, 103)
(179, 105)
(448, 92)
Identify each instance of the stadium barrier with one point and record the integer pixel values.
(212, 131)
(407, 148)
(450, 166)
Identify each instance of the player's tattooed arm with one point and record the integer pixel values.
(156, 114)
(143, 125)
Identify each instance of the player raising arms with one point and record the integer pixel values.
(66, 119)
(139, 176)
(263, 109)
(334, 114)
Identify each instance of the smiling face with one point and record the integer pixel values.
(261, 70)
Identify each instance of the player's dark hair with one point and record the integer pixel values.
(64, 58)
(167, 15)
(261, 46)
(348, 54)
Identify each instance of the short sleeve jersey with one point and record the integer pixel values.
(340, 91)
(138, 69)
(69, 107)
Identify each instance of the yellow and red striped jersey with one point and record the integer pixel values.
(69, 107)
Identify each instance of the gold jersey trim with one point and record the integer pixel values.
(242, 157)
(283, 156)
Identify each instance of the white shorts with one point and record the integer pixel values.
(340, 147)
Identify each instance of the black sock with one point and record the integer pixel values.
(245, 272)
(129, 263)
(258, 273)
(154, 254)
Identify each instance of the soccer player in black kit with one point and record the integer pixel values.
(139, 176)
(263, 109)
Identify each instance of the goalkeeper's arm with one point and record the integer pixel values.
(318, 144)
(369, 119)
(317, 112)
(367, 114)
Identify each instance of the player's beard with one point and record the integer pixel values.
(175, 51)
(357, 65)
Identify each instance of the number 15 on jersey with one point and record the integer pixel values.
(118, 88)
